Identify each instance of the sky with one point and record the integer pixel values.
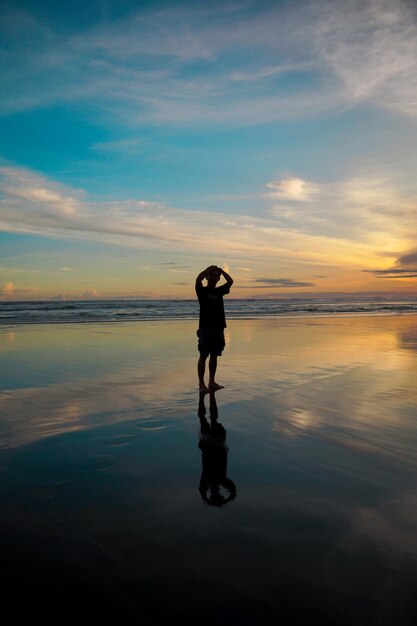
(141, 142)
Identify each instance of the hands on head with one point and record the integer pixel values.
(213, 268)
(217, 270)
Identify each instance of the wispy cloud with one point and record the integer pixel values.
(394, 273)
(273, 71)
(405, 267)
(143, 66)
(19, 270)
(151, 225)
(292, 188)
(126, 147)
(277, 282)
(172, 265)
(373, 208)
(372, 48)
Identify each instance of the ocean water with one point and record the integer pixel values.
(35, 312)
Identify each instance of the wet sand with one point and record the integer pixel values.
(100, 468)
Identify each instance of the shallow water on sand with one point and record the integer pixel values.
(100, 469)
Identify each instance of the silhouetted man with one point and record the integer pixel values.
(212, 322)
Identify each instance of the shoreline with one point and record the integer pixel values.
(230, 318)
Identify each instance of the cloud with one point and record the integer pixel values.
(377, 209)
(142, 66)
(19, 270)
(151, 225)
(278, 282)
(90, 294)
(390, 526)
(7, 289)
(394, 273)
(127, 147)
(410, 258)
(276, 70)
(23, 187)
(405, 267)
(292, 189)
(372, 49)
(174, 266)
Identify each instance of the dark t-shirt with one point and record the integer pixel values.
(211, 305)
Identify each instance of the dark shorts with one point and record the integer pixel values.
(210, 341)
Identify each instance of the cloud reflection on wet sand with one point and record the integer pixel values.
(340, 378)
(100, 470)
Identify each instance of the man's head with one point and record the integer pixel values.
(213, 276)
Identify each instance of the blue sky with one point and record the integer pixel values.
(142, 141)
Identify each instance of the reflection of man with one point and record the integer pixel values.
(214, 456)
(212, 322)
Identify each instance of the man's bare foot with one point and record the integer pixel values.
(215, 386)
(203, 388)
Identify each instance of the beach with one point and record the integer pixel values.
(100, 468)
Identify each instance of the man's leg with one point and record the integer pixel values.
(201, 369)
(212, 372)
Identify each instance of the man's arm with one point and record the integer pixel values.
(229, 279)
(202, 275)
